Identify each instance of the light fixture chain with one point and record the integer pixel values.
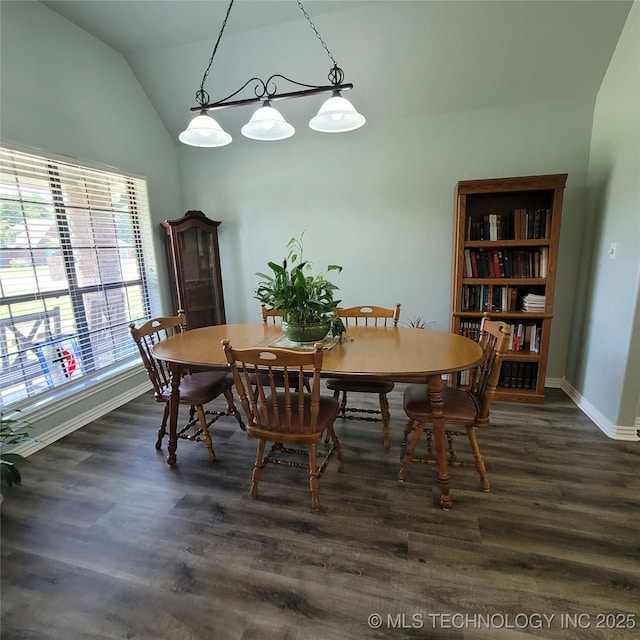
(313, 26)
(202, 96)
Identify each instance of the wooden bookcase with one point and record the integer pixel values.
(505, 255)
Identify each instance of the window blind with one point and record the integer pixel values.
(76, 267)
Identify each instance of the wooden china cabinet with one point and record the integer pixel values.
(194, 267)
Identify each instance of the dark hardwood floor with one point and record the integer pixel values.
(105, 540)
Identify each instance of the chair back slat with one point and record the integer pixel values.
(494, 340)
(270, 315)
(257, 373)
(370, 315)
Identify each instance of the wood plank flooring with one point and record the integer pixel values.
(105, 540)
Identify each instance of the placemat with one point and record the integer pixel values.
(284, 343)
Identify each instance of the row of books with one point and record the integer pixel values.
(470, 329)
(525, 336)
(518, 375)
(506, 263)
(489, 297)
(513, 375)
(519, 224)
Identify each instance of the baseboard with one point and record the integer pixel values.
(79, 421)
(613, 431)
(553, 383)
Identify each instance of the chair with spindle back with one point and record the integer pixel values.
(466, 406)
(196, 388)
(285, 415)
(274, 316)
(375, 317)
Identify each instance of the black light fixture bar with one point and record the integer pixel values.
(265, 95)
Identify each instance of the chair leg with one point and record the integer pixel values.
(162, 431)
(313, 477)
(408, 456)
(336, 395)
(257, 468)
(407, 430)
(205, 431)
(343, 404)
(231, 408)
(331, 436)
(471, 432)
(386, 417)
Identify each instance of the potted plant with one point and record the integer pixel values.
(417, 323)
(11, 433)
(304, 298)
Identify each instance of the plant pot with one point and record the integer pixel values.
(306, 332)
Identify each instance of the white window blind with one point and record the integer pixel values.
(76, 256)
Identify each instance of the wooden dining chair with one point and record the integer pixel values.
(274, 316)
(197, 388)
(374, 317)
(462, 406)
(288, 415)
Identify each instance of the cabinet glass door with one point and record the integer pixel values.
(200, 282)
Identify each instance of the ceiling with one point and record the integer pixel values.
(405, 58)
(131, 26)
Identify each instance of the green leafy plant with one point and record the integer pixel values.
(11, 433)
(417, 323)
(301, 296)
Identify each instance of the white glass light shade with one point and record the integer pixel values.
(204, 131)
(267, 123)
(337, 115)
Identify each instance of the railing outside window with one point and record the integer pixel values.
(76, 267)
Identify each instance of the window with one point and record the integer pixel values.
(76, 267)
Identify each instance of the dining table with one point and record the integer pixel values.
(397, 354)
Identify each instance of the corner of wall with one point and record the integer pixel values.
(629, 433)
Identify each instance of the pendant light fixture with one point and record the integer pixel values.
(267, 123)
(336, 115)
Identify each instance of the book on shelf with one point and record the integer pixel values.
(544, 262)
(518, 375)
(533, 302)
(468, 271)
(505, 374)
(531, 225)
(525, 336)
(527, 376)
(490, 226)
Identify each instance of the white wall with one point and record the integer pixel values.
(64, 91)
(379, 201)
(604, 360)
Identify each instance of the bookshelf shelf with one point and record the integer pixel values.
(505, 257)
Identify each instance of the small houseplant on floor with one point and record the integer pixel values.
(305, 299)
(12, 432)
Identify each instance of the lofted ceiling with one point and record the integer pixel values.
(405, 57)
(131, 26)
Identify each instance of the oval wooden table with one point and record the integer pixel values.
(398, 354)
